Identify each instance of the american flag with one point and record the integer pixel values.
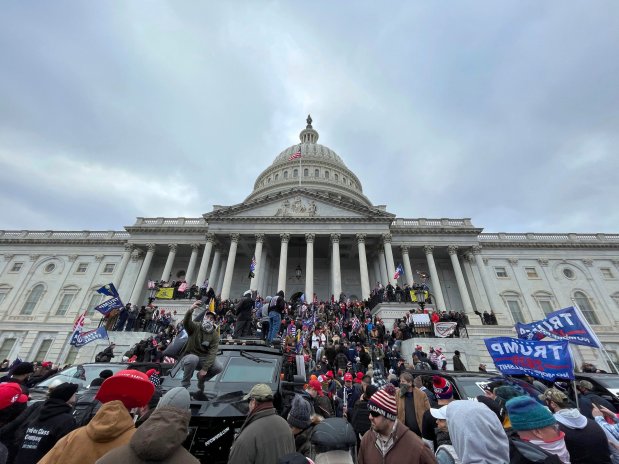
(79, 323)
(398, 272)
(252, 265)
(296, 155)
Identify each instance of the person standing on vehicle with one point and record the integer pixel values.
(412, 403)
(242, 326)
(265, 436)
(277, 306)
(200, 351)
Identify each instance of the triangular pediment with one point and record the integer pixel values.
(299, 204)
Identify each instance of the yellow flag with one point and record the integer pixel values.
(211, 305)
(166, 293)
(413, 296)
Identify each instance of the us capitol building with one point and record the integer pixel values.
(312, 230)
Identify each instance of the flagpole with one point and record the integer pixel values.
(300, 156)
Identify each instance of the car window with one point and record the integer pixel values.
(471, 388)
(247, 370)
(68, 375)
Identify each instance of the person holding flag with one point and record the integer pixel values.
(252, 268)
(398, 272)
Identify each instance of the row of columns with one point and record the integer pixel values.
(220, 276)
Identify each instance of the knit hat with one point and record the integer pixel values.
(23, 368)
(129, 386)
(507, 392)
(442, 388)
(370, 390)
(10, 393)
(177, 398)
(383, 402)
(64, 391)
(527, 414)
(300, 412)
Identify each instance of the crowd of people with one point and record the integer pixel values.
(361, 401)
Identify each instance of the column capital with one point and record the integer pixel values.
(99, 258)
(172, 247)
(194, 246)
(404, 249)
(469, 257)
(387, 238)
(361, 238)
(476, 249)
(235, 237)
(259, 237)
(309, 238)
(428, 249)
(512, 261)
(452, 249)
(128, 247)
(335, 238)
(210, 237)
(151, 247)
(285, 238)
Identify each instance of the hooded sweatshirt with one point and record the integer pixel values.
(159, 439)
(584, 438)
(111, 427)
(476, 433)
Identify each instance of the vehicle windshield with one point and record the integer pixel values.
(471, 387)
(241, 369)
(81, 375)
(610, 382)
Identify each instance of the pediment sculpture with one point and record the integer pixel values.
(297, 207)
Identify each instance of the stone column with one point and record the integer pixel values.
(283, 263)
(220, 275)
(139, 284)
(481, 267)
(212, 278)
(389, 259)
(464, 293)
(435, 284)
(167, 269)
(206, 256)
(363, 267)
(376, 272)
(264, 274)
(253, 285)
(384, 278)
(407, 265)
(309, 267)
(122, 267)
(192, 263)
(225, 289)
(337, 272)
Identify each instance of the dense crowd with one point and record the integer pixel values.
(362, 401)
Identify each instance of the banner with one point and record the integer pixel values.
(544, 360)
(444, 329)
(421, 319)
(106, 307)
(83, 338)
(564, 324)
(108, 290)
(166, 293)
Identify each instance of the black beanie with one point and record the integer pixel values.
(300, 412)
(23, 368)
(64, 391)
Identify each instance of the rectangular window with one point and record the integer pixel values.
(95, 300)
(17, 267)
(607, 273)
(65, 302)
(109, 268)
(316, 173)
(546, 306)
(71, 355)
(514, 308)
(501, 273)
(43, 349)
(531, 272)
(81, 268)
(7, 346)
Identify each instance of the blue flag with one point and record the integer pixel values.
(109, 290)
(564, 324)
(544, 360)
(107, 306)
(80, 339)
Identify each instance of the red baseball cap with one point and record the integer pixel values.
(348, 377)
(329, 374)
(131, 387)
(315, 385)
(10, 393)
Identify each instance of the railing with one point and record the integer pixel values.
(167, 222)
(64, 235)
(534, 237)
(424, 222)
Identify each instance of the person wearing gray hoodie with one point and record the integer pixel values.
(476, 433)
(584, 438)
(160, 438)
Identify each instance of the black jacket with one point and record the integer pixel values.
(53, 423)
(584, 443)
(243, 309)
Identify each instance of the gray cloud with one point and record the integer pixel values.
(503, 112)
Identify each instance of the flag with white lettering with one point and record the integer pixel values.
(108, 290)
(564, 324)
(80, 339)
(544, 360)
(107, 306)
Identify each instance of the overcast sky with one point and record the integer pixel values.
(504, 112)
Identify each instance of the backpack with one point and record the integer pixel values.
(86, 407)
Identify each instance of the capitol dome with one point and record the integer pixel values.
(319, 168)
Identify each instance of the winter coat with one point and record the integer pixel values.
(243, 309)
(407, 448)
(54, 421)
(111, 427)
(302, 442)
(583, 437)
(196, 340)
(159, 439)
(360, 419)
(264, 438)
(458, 364)
(420, 402)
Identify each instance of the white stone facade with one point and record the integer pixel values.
(323, 226)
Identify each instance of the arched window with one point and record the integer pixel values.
(276, 176)
(295, 173)
(33, 299)
(586, 307)
(285, 174)
(336, 177)
(305, 172)
(316, 172)
(326, 174)
(514, 304)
